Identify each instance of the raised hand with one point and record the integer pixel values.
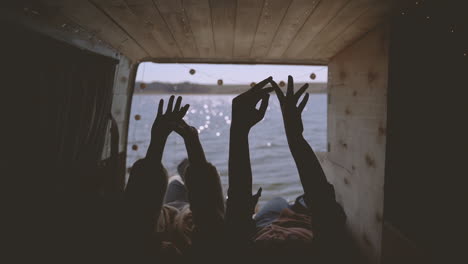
(164, 124)
(244, 113)
(195, 152)
(184, 130)
(291, 113)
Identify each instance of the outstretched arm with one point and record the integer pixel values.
(148, 179)
(318, 192)
(204, 188)
(244, 117)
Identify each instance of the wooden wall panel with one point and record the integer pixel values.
(377, 14)
(223, 18)
(357, 112)
(128, 21)
(271, 17)
(174, 14)
(224, 31)
(199, 15)
(95, 22)
(324, 12)
(298, 12)
(343, 19)
(149, 15)
(247, 16)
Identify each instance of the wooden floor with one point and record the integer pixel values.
(247, 31)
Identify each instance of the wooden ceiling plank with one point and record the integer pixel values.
(223, 19)
(377, 14)
(147, 12)
(298, 12)
(173, 13)
(346, 17)
(247, 17)
(325, 11)
(121, 14)
(91, 19)
(199, 16)
(271, 17)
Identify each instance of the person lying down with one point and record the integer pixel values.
(186, 220)
(187, 215)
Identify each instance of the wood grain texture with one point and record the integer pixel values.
(271, 17)
(343, 19)
(91, 19)
(377, 14)
(223, 18)
(199, 16)
(322, 15)
(173, 13)
(357, 122)
(153, 22)
(298, 12)
(119, 11)
(247, 16)
(252, 31)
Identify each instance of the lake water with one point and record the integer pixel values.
(273, 167)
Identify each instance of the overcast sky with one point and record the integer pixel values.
(229, 73)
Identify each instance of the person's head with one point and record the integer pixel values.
(182, 167)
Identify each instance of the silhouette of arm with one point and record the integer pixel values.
(240, 201)
(204, 189)
(148, 179)
(318, 193)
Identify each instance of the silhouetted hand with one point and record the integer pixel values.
(195, 152)
(185, 131)
(164, 124)
(244, 113)
(292, 113)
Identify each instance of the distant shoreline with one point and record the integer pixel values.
(205, 89)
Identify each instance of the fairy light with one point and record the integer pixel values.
(282, 84)
(220, 82)
(137, 117)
